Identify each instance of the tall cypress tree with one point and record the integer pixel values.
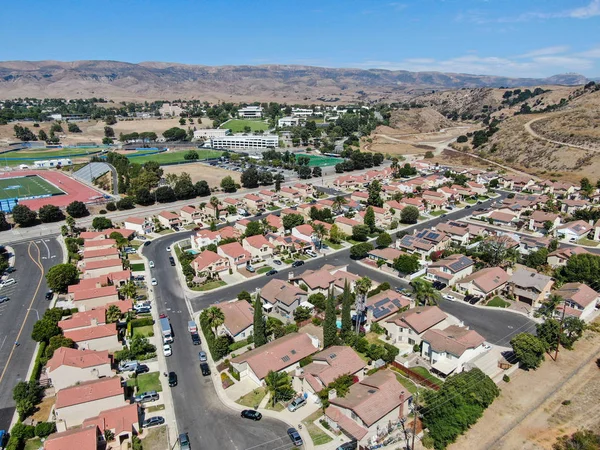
(329, 325)
(346, 309)
(260, 328)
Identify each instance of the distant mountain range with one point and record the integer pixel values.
(157, 80)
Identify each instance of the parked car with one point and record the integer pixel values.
(172, 379)
(167, 350)
(468, 207)
(196, 339)
(142, 309)
(352, 445)
(171, 260)
(8, 282)
(311, 253)
(153, 282)
(202, 356)
(169, 248)
(168, 339)
(50, 294)
(128, 366)
(151, 264)
(205, 369)
(153, 422)
(277, 262)
(150, 396)
(141, 368)
(146, 244)
(272, 272)
(251, 414)
(449, 297)
(297, 403)
(184, 441)
(298, 263)
(4, 298)
(250, 269)
(295, 437)
(11, 269)
(139, 278)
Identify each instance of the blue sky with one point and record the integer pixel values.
(529, 38)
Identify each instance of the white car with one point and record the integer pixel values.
(151, 264)
(153, 282)
(449, 297)
(311, 253)
(167, 350)
(168, 249)
(8, 282)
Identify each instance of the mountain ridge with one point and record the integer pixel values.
(170, 80)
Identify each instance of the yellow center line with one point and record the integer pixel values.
(38, 263)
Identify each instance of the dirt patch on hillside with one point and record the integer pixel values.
(198, 171)
(421, 120)
(530, 414)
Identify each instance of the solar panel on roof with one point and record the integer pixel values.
(286, 358)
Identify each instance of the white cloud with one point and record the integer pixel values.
(591, 10)
(481, 17)
(546, 51)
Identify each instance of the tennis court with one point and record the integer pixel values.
(321, 161)
(24, 187)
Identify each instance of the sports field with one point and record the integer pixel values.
(237, 125)
(30, 155)
(26, 187)
(321, 161)
(173, 156)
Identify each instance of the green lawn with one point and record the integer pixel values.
(33, 444)
(29, 156)
(209, 286)
(317, 435)
(175, 156)
(470, 201)
(425, 373)
(288, 261)
(149, 382)
(273, 208)
(264, 269)
(278, 407)
(439, 212)
(145, 331)
(252, 399)
(321, 161)
(498, 303)
(237, 125)
(588, 242)
(167, 231)
(332, 245)
(409, 385)
(155, 408)
(139, 267)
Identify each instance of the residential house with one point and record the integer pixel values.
(94, 269)
(451, 269)
(434, 196)
(269, 196)
(503, 218)
(384, 304)
(529, 286)
(366, 411)
(239, 320)
(458, 231)
(207, 237)
(282, 298)
(288, 242)
(123, 422)
(86, 299)
(92, 235)
(476, 188)
(241, 225)
(345, 225)
(387, 255)
(98, 244)
(83, 319)
(449, 349)
(88, 438)
(560, 256)
(169, 219)
(210, 264)
(304, 232)
(138, 224)
(316, 281)
(235, 253)
(276, 223)
(281, 355)
(580, 300)
(382, 216)
(573, 231)
(538, 219)
(87, 399)
(69, 366)
(101, 254)
(326, 367)
(305, 190)
(484, 282)
(528, 244)
(289, 194)
(394, 208)
(569, 206)
(127, 234)
(254, 202)
(259, 247)
(359, 196)
(407, 327)
(189, 214)
(424, 242)
(98, 337)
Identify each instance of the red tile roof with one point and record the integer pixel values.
(205, 259)
(101, 252)
(135, 220)
(121, 419)
(87, 244)
(90, 265)
(258, 241)
(88, 294)
(81, 359)
(77, 438)
(89, 391)
(83, 319)
(168, 215)
(333, 362)
(239, 315)
(89, 334)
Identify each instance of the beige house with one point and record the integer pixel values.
(237, 256)
(94, 269)
(258, 246)
(75, 404)
(239, 320)
(253, 202)
(451, 269)
(99, 337)
(282, 298)
(98, 244)
(408, 326)
(283, 354)
(560, 256)
(208, 263)
(87, 299)
(317, 281)
(529, 286)
(369, 406)
(169, 219)
(123, 422)
(100, 254)
(484, 282)
(580, 300)
(345, 225)
(69, 366)
(189, 214)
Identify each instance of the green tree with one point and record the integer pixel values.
(329, 324)
(26, 395)
(425, 293)
(339, 202)
(253, 229)
(336, 235)
(346, 311)
(191, 155)
(202, 188)
(109, 132)
(113, 314)
(407, 264)
(304, 172)
(278, 178)
(360, 232)
(228, 185)
(409, 215)
(215, 318)
(56, 342)
(279, 386)
(184, 188)
(582, 268)
(23, 216)
(249, 178)
(370, 219)
(536, 259)
(374, 194)
(42, 136)
(44, 329)
(73, 128)
(361, 250)
(573, 329)
(580, 440)
(175, 134)
(245, 295)
(383, 240)
(292, 220)
(260, 332)
(61, 276)
(101, 223)
(320, 232)
(165, 194)
(301, 314)
(318, 300)
(128, 291)
(50, 213)
(529, 350)
(77, 209)
(144, 197)
(125, 203)
(548, 331)
(4, 225)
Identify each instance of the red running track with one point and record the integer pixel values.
(73, 189)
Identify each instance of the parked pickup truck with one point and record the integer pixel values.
(192, 327)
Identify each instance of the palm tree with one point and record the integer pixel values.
(363, 286)
(265, 225)
(215, 317)
(320, 231)
(425, 293)
(395, 165)
(113, 314)
(214, 201)
(70, 221)
(548, 308)
(129, 290)
(338, 203)
(278, 385)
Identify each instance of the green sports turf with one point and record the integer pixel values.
(322, 161)
(175, 156)
(26, 187)
(237, 125)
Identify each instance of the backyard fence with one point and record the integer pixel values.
(414, 376)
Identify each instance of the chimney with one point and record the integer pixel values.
(290, 275)
(332, 394)
(401, 409)
(94, 322)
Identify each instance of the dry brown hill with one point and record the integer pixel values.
(419, 120)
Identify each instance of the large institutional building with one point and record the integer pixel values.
(245, 142)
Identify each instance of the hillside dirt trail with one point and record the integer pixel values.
(537, 136)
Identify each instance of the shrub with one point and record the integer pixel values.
(102, 211)
(45, 429)
(22, 431)
(506, 378)
(142, 322)
(37, 366)
(566, 402)
(111, 206)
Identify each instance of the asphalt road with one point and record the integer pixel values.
(198, 410)
(17, 316)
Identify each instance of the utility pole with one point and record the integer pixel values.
(416, 414)
(560, 330)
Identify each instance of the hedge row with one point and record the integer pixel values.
(37, 365)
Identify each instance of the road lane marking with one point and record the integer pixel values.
(3, 341)
(39, 265)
